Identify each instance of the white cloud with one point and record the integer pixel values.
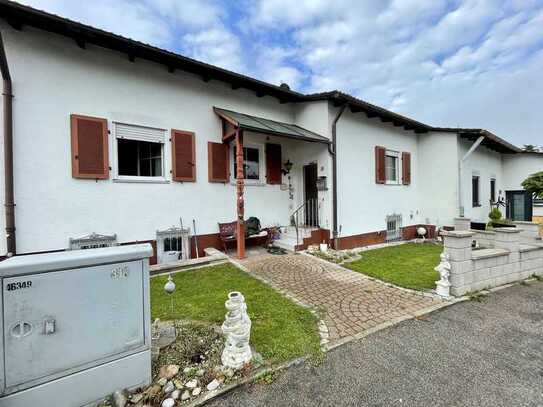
(473, 63)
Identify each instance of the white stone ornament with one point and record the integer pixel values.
(443, 286)
(237, 330)
(169, 287)
(422, 232)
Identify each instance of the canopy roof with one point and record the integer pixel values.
(258, 124)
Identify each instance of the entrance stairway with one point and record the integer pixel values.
(288, 239)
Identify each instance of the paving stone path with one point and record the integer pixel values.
(351, 302)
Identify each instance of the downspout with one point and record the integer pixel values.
(332, 149)
(460, 168)
(9, 202)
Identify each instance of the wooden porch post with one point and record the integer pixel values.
(239, 195)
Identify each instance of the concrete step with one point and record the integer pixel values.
(286, 243)
(290, 232)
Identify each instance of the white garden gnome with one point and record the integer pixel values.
(237, 330)
(443, 286)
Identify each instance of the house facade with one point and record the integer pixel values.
(114, 139)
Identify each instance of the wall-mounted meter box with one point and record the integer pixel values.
(75, 326)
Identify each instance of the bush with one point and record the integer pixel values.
(495, 214)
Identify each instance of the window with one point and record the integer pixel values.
(140, 152)
(252, 163)
(492, 190)
(139, 158)
(392, 167)
(475, 191)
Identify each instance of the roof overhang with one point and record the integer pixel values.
(243, 121)
(490, 141)
(19, 16)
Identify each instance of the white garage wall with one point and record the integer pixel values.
(487, 164)
(518, 167)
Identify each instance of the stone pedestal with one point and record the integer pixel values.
(462, 224)
(443, 288)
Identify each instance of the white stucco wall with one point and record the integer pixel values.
(486, 164)
(518, 167)
(438, 167)
(54, 78)
(363, 204)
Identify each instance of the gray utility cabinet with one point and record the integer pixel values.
(75, 325)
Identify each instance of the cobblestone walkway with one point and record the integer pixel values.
(351, 303)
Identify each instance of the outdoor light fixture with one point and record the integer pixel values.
(288, 167)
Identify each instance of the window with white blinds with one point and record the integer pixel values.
(139, 133)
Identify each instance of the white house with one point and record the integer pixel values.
(110, 139)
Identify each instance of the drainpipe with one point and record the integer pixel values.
(333, 151)
(9, 203)
(460, 168)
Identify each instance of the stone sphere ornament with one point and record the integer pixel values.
(237, 331)
(421, 231)
(169, 287)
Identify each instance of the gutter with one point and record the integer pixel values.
(9, 202)
(332, 149)
(460, 168)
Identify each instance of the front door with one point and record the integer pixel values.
(311, 216)
(519, 205)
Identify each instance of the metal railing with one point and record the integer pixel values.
(306, 215)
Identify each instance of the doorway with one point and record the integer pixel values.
(519, 205)
(311, 216)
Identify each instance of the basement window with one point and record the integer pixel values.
(140, 152)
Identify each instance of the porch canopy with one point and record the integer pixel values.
(233, 126)
(242, 121)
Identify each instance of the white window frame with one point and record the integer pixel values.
(261, 165)
(135, 178)
(397, 155)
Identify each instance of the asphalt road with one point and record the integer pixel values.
(487, 353)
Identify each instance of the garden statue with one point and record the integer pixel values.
(237, 330)
(422, 232)
(444, 269)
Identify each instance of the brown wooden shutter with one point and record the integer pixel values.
(90, 154)
(380, 177)
(218, 162)
(183, 156)
(273, 163)
(406, 168)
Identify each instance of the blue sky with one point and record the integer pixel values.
(468, 63)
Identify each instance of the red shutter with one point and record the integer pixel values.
(406, 168)
(183, 156)
(90, 154)
(380, 177)
(273, 164)
(218, 162)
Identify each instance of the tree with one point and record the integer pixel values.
(534, 184)
(530, 148)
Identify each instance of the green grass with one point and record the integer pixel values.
(409, 265)
(281, 330)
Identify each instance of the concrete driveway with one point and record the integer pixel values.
(487, 353)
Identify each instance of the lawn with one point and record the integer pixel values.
(281, 330)
(409, 265)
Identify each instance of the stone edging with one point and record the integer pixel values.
(364, 276)
(259, 373)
